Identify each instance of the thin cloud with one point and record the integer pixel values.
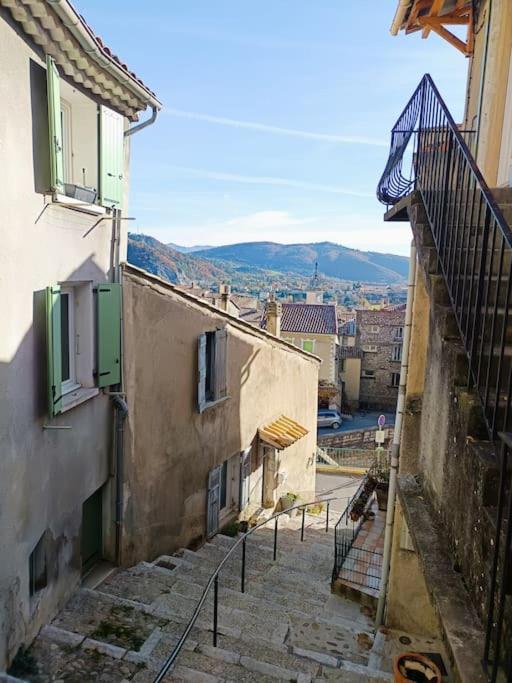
(276, 130)
(269, 180)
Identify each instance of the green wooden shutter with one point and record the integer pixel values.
(55, 126)
(54, 350)
(111, 157)
(109, 334)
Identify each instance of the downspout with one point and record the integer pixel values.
(118, 399)
(144, 124)
(395, 448)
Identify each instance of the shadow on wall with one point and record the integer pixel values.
(45, 475)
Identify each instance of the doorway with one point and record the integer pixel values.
(92, 531)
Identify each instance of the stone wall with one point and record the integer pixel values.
(379, 331)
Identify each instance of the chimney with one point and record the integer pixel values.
(224, 291)
(274, 312)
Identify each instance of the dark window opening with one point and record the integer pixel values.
(38, 577)
(64, 335)
(210, 367)
(223, 484)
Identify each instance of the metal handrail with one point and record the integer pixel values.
(213, 580)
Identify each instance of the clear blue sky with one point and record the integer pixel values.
(214, 169)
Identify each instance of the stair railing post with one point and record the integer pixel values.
(243, 567)
(302, 527)
(275, 539)
(215, 609)
(327, 517)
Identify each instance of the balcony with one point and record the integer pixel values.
(464, 244)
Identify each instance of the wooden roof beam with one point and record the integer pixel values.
(437, 26)
(437, 6)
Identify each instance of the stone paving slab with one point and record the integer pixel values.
(287, 626)
(98, 616)
(142, 583)
(331, 639)
(56, 663)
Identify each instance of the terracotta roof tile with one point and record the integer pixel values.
(309, 318)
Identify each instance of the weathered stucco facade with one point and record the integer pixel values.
(324, 346)
(49, 464)
(171, 447)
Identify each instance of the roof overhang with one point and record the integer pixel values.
(62, 33)
(282, 433)
(436, 15)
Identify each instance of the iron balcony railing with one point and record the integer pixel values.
(473, 242)
(213, 581)
(356, 564)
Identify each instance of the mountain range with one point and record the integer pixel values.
(253, 260)
(334, 260)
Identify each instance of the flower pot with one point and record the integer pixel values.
(411, 666)
(381, 491)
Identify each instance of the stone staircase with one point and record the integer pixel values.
(287, 626)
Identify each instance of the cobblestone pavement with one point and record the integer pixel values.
(287, 626)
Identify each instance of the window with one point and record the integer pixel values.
(399, 332)
(368, 374)
(373, 329)
(68, 340)
(396, 353)
(86, 146)
(212, 359)
(37, 573)
(83, 342)
(308, 345)
(395, 379)
(370, 348)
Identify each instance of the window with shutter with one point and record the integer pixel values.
(111, 157)
(55, 126)
(109, 334)
(211, 364)
(213, 501)
(54, 349)
(201, 373)
(221, 340)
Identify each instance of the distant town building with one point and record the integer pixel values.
(312, 328)
(350, 359)
(379, 336)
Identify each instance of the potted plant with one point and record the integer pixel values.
(359, 505)
(379, 472)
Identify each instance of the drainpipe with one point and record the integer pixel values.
(144, 124)
(118, 398)
(395, 448)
